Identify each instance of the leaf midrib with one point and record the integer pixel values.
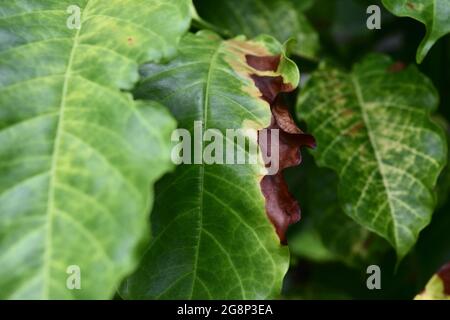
(205, 109)
(202, 166)
(362, 103)
(54, 163)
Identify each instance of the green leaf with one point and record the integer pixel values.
(325, 222)
(434, 14)
(373, 129)
(283, 19)
(308, 244)
(77, 154)
(438, 288)
(347, 240)
(302, 5)
(213, 239)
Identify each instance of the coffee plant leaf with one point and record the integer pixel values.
(315, 238)
(373, 128)
(434, 14)
(78, 155)
(212, 236)
(350, 242)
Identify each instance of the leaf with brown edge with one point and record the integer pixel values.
(438, 288)
(281, 207)
(213, 238)
(327, 233)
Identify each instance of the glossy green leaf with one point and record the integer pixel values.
(373, 129)
(77, 153)
(434, 14)
(283, 19)
(213, 239)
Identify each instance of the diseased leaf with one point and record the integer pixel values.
(438, 288)
(77, 154)
(325, 221)
(351, 243)
(213, 238)
(282, 19)
(308, 244)
(281, 206)
(373, 129)
(434, 14)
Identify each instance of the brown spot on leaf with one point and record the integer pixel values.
(347, 112)
(396, 67)
(354, 130)
(369, 241)
(444, 274)
(130, 41)
(281, 207)
(411, 5)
